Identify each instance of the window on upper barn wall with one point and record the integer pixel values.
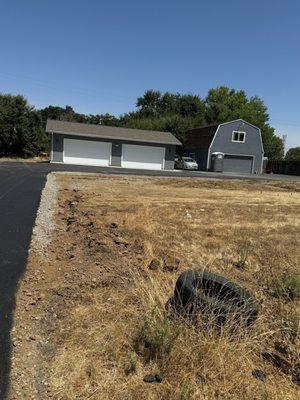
(238, 136)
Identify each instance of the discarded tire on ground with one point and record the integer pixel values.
(198, 291)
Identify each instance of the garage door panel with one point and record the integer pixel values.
(241, 164)
(86, 152)
(142, 157)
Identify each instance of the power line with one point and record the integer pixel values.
(117, 97)
(55, 85)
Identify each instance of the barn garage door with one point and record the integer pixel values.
(86, 152)
(142, 157)
(241, 164)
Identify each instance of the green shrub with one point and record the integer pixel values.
(132, 367)
(157, 334)
(286, 285)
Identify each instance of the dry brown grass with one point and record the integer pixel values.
(26, 160)
(102, 307)
(96, 343)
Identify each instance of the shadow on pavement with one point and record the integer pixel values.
(20, 191)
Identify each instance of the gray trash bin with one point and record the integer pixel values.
(217, 161)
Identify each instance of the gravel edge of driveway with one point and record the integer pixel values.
(45, 221)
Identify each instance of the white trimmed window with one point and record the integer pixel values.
(238, 136)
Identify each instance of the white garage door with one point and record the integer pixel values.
(142, 157)
(86, 152)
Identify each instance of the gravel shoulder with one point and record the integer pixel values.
(45, 220)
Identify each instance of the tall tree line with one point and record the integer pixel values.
(22, 127)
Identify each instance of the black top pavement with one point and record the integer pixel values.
(20, 189)
(41, 168)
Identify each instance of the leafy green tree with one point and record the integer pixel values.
(105, 119)
(154, 103)
(273, 145)
(225, 104)
(173, 123)
(190, 106)
(21, 132)
(68, 114)
(62, 114)
(149, 103)
(175, 113)
(39, 139)
(293, 154)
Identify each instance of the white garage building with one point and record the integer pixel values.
(99, 145)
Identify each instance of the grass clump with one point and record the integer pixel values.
(286, 286)
(157, 335)
(244, 248)
(132, 366)
(184, 392)
(287, 342)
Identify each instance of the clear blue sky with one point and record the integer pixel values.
(99, 56)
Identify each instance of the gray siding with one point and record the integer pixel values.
(169, 156)
(57, 149)
(252, 147)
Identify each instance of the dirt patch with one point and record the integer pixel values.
(91, 294)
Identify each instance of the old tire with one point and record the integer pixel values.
(197, 289)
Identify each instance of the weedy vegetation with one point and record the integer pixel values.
(286, 286)
(157, 334)
(113, 327)
(244, 249)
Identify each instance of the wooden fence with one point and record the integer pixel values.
(283, 167)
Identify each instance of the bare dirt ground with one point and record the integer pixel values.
(89, 295)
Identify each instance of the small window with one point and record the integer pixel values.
(238, 136)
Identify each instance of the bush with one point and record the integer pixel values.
(132, 367)
(22, 130)
(286, 285)
(157, 335)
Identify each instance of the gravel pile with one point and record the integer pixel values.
(45, 221)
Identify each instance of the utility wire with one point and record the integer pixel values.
(55, 85)
(118, 97)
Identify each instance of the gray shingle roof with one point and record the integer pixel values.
(111, 132)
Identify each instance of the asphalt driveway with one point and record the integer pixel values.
(42, 168)
(20, 189)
